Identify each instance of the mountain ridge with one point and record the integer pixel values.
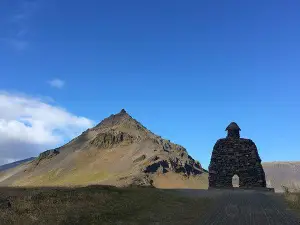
(16, 163)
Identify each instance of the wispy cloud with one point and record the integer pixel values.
(18, 44)
(19, 23)
(57, 83)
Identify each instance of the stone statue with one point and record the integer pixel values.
(235, 156)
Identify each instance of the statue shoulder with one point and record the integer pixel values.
(219, 142)
(247, 141)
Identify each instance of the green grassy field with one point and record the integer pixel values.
(99, 205)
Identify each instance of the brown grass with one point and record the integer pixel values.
(99, 205)
(172, 180)
(293, 199)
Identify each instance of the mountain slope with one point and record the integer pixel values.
(280, 174)
(14, 164)
(118, 151)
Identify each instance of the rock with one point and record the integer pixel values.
(186, 166)
(139, 159)
(142, 181)
(160, 167)
(111, 139)
(123, 111)
(46, 155)
(154, 158)
(235, 156)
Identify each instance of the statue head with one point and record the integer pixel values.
(233, 130)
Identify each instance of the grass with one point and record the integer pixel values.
(293, 199)
(99, 205)
(54, 178)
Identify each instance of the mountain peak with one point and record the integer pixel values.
(115, 119)
(118, 151)
(123, 111)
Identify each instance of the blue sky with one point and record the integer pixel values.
(185, 69)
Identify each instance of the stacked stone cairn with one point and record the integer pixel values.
(235, 156)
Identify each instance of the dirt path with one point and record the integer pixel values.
(240, 207)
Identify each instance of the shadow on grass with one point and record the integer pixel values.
(99, 204)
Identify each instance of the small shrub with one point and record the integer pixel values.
(293, 198)
(286, 190)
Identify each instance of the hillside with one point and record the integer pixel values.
(118, 151)
(14, 164)
(280, 174)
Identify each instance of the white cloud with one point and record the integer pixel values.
(29, 125)
(57, 83)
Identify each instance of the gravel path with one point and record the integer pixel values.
(245, 207)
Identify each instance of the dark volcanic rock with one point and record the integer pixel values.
(172, 163)
(235, 155)
(160, 166)
(45, 155)
(48, 154)
(108, 140)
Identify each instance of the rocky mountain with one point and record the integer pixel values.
(118, 151)
(14, 164)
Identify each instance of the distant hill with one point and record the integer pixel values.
(280, 174)
(118, 151)
(14, 164)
